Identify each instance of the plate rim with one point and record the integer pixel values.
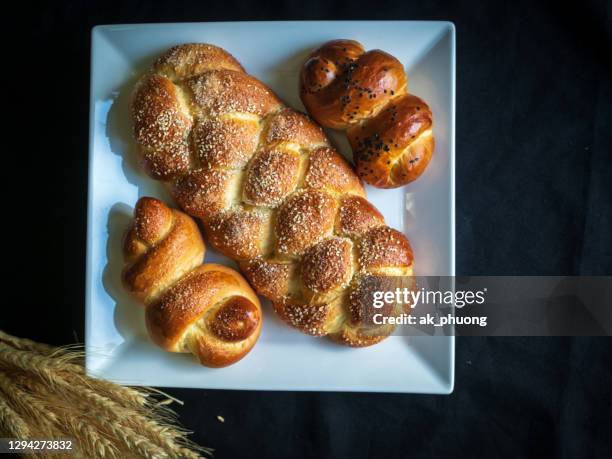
(96, 35)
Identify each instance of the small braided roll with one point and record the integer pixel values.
(365, 93)
(208, 310)
(270, 190)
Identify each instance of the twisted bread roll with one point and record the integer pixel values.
(365, 93)
(271, 191)
(208, 310)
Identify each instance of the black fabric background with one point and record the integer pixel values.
(534, 196)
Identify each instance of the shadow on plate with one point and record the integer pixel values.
(129, 314)
(121, 139)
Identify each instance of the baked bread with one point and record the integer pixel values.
(365, 93)
(270, 190)
(208, 310)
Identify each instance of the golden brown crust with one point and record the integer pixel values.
(219, 92)
(304, 219)
(159, 118)
(204, 192)
(323, 65)
(396, 146)
(312, 319)
(152, 220)
(383, 248)
(341, 84)
(357, 337)
(235, 320)
(194, 58)
(187, 316)
(169, 245)
(225, 142)
(329, 171)
(271, 176)
(239, 234)
(166, 163)
(275, 196)
(357, 216)
(209, 310)
(295, 127)
(270, 279)
(365, 93)
(328, 265)
(161, 127)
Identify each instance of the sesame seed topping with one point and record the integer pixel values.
(271, 191)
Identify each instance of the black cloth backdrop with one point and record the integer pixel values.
(534, 196)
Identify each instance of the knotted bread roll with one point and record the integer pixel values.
(365, 93)
(208, 310)
(271, 191)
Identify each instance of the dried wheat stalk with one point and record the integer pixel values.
(45, 393)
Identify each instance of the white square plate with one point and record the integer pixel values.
(117, 345)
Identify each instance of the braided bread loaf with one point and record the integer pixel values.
(208, 310)
(270, 190)
(365, 93)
